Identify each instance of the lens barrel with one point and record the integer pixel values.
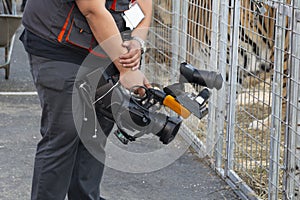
(205, 78)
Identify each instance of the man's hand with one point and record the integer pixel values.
(134, 78)
(133, 57)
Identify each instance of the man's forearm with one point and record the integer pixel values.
(142, 29)
(104, 28)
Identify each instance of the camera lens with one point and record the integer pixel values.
(169, 131)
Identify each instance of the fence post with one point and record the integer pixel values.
(235, 18)
(211, 129)
(175, 39)
(293, 147)
(277, 102)
(183, 36)
(223, 17)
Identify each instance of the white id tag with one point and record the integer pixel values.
(133, 16)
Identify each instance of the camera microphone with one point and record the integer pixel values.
(205, 78)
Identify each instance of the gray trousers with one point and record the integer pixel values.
(64, 165)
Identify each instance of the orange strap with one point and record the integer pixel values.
(89, 49)
(172, 103)
(63, 30)
(114, 5)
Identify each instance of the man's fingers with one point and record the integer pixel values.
(141, 92)
(130, 59)
(147, 83)
(126, 44)
(131, 62)
(130, 54)
(136, 67)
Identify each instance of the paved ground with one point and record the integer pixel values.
(187, 178)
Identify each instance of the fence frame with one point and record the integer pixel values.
(291, 161)
(276, 103)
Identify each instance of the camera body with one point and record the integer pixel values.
(136, 116)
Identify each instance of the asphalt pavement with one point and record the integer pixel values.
(186, 177)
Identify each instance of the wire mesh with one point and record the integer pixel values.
(159, 55)
(198, 50)
(193, 46)
(253, 120)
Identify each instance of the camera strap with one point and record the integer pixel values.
(87, 89)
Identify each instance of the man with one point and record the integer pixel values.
(57, 36)
(23, 5)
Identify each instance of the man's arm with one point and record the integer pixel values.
(104, 28)
(140, 31)
(108, 37)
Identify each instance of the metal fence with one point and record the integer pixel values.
(251, 135)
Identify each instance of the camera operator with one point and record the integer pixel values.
(63, 166)
(23, 5)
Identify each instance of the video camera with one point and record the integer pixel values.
(136, 116)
